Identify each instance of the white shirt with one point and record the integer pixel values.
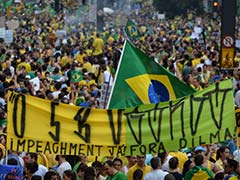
(63, 167)
(165, 166)
(156, 174)
(55, 94)
(125, 168)
(35, 83)
(41, 171)
(107, 78)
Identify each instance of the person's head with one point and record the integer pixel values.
(31, 168)
(169, 177)
(3, 139)
(69, 175)
(141, 160)
(57, 86)
(219, 176)
(84, 159)
(200, 150)
(90, 173)
(81, 169)
(109, 168)
(223, 152)
(60, 158)
(137, 174)
(173, 163)
(36, 177)
(32, 157)
(155, 163)
(198, 159)
(98, 167)
(230, 166)
(51, 175)
(117, 163)
(132, 160)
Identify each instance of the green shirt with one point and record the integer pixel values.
(118, 176)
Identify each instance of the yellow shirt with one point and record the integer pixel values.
(26, 65)
(182, 158)
(79, 58)
(219, 163)
(65, 60)
(98, 46)
(88, 52)
(110, 40)
(145, 170)
(196, 61)
(87, 66)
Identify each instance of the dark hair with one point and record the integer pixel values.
(89, 173)
(31, 166)
(137, 174)
(36, 177)
(49, 174)
(97, 164)
(219, 176)
(155, 161)
(118, 159)
(173, 163)
(109, 162)
(220, 150)
(162, 155)
(198, 159)
(57, 86)
(71, 174)
(232, 163)
(33, 155)
(81, 167)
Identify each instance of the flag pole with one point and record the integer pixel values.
(110, 96)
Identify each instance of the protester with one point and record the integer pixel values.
(113, 174)
(140, 164)
(69, 175)
(131, 162)
(157, 172)
(63, 165)
(223, 154)
(230, 168)
(198, 170)
(173, 168)
(51, 175)
(33, 157)
(117, 163)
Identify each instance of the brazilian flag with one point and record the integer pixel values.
(131, 30)
(140, 80)
(76, 76)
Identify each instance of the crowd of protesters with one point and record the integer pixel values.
(40, 63)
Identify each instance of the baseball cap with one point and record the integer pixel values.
(187, 151)
(200, 148)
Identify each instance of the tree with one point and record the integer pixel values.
(177, 7)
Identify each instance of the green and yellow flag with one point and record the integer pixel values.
(131, 30)
(76, 76)
(140, 80)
